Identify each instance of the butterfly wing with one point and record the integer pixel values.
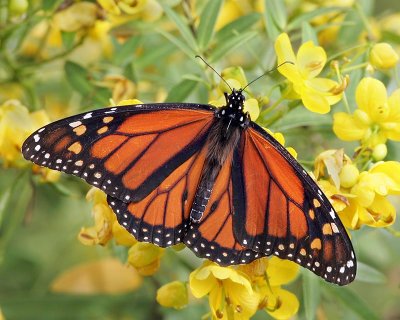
(162, 217)
(213, 236)
(126, 151)
(280, 210)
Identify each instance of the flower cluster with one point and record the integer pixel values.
(237, 293)
(144, 257)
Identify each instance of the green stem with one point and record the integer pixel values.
(268, 110)
(345, 101)
(393, 232)
(355, 67)
(364, 20)
(343, 52)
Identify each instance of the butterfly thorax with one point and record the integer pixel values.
(232, 113)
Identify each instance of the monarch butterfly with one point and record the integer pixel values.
(205, 176)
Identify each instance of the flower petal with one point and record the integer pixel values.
(281, 271)
(284, 52)
(388, 168)
(288, 305)
(371, 97)
(310, 59)
(314, 101)
(347, 128)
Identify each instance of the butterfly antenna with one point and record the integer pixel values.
(265, 73)
(197, 56)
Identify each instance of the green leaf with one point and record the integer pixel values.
(352, 301)
(308, 33)
(78, 77)
(4, 199)
(306, 17)
(181, 25)
(274, 17)
(68, 39)
(181, 91)
(311, 294)
(178, 43)
(237, 26)
(152, 56)
(230, 44)
(208, 19)
(278, 12)
(14, 208)
(125, 52)
(366, 273)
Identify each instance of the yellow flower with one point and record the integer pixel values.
(105, 276)
(371, 206)
(361, 197)
(120, 11)
(173, 295)
(122, 88)
(281, 139)
(267, 276)
(331, 21)
(230, 293)
(317, 94)
(106, 225)
(80, 15)
(16, 124)
(383, 56)
(376, 119)
(145, 257)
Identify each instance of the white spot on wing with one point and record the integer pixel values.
(75, 124)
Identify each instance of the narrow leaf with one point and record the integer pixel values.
(308, 16)
(125, 52)
(68, 39)
(208, 19)
(237, 26)
(308, 33)
(366, 273)
(181, 26)
(278, 13)
(181, 91)
(78, 77)
(352, 301)
(15, 208)
(311, 294)
(272, 28)
(223, 48)
(177, 42)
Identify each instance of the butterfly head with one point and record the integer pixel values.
(233, 110)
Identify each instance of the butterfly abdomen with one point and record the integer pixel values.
(221, 141)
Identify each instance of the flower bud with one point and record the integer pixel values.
(145, 257)
(17, 7)
(173, 295)
(379, 152)
(348, 175)
(383, 56)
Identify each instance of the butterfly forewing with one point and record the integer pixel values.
(126, 151)
(283, 212)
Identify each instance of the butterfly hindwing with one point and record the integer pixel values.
(213, 236)
(280, 210)
(162, 217)
(126, 151)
